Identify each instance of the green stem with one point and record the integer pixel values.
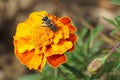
(55, 74)
(113, 49)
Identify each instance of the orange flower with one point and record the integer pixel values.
(35, 43)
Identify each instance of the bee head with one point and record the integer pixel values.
(45, 18)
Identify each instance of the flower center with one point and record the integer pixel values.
(42, 37)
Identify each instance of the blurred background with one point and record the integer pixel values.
(85, 14)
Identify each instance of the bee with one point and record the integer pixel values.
(49, 24)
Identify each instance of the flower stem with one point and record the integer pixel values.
(113, 49)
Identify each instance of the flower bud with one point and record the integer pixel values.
(96, 64)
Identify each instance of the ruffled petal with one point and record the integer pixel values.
(36, 61)
(67, 21)
(57, 37)
(59, 49)
(73, 38)
(56, 60)
(24, 58)
(65, 31)
(22, 31)
(24, 45)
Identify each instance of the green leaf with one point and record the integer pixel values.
(116, 55)
(117, 19)
(76, 72)
(97, 30)
(83, 32)
(110, 21)
(116, 2)
(117, 65)
(30, 77)
(82, 35)
(115, 31)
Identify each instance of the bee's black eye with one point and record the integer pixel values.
(45, 18)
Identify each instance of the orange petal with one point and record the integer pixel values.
(71, 28)
(73, 38)
(22, 30)
(28, 56)
(70, 50)
(67, 21)
(62, 47)
(65, 31)
(56, 60)
(20, 56)
(57, 37)
(42, 64)
(59, 49)
(24, 45)
(35, 61)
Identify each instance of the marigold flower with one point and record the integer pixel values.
(34, 44)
